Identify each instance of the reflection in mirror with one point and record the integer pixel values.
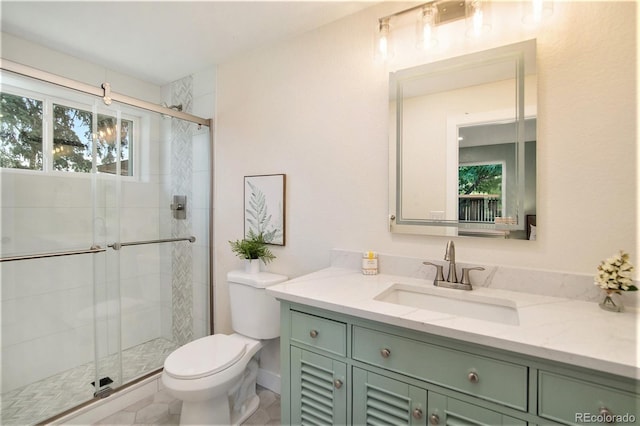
(463, 145)
(487, 167)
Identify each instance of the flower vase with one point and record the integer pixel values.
(252, 266)
(612, 302)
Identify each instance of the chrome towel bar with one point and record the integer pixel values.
(93, 249)
(118, 246)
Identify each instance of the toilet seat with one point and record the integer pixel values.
(188, 362)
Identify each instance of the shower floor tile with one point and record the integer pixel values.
(43, 399)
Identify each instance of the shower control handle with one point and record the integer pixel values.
(179, 206)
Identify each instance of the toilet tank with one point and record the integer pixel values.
(253, 312)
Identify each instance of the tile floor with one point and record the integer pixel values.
(163, 409)
(45, 398)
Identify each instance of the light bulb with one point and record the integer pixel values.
(477, 17)
(426, 30)
(383, 41)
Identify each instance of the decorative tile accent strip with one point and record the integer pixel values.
(182, 184)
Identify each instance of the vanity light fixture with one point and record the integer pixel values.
(429, 16)
(477, 16)
(426, 28)
(383, 40)
(535, 11)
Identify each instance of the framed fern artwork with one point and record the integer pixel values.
(264, 207)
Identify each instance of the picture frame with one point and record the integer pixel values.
(264, 207)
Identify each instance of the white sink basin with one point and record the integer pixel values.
(455, 302)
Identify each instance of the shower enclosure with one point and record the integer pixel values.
(105, 224)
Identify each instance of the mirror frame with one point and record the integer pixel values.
(524, 56)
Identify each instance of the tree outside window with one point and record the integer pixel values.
(20, 132)
(21, 138)
(480, 192)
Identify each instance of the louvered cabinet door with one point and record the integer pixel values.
(379, 400)
(444, 410)
(318, 389)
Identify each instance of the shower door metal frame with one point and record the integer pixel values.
(104, 92)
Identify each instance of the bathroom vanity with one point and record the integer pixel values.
(371, 350)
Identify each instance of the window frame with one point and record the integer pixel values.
(50, 96)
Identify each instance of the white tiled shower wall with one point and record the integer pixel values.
(48, 305)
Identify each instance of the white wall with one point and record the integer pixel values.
(315, 108)
(40, 57)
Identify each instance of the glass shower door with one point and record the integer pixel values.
(60, 295)
(100, 278)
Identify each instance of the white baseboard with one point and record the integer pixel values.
(269, 380)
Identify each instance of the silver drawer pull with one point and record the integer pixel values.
(313, 334)
(337, 383)
(386, 353)
(434, 419)
(417, 414)
(473, 377)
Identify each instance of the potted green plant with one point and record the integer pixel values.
(253, 249)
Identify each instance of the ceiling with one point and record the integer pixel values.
(163, 41)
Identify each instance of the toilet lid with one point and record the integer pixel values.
(204, 356)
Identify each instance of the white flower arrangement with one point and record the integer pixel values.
(614, 274)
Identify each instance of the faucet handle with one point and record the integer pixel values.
(465, 274)
(439, 274)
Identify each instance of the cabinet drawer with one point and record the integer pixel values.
(573, 400)
(487, 378)
(319, 333)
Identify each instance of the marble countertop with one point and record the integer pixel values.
(558, 329)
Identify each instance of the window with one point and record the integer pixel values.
(106, 146)
(77, 144)
(20, 132)
(480, 192)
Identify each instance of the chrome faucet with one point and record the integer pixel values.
(452, 276)
(450, 256)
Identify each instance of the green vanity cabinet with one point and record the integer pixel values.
(483, 377)
(317, 388)
(571, 399)
(319, 391)
(444, 410)
(340, 369)
(380, 400)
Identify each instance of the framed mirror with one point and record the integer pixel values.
(462, 145)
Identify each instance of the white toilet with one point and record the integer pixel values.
(215, 376)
